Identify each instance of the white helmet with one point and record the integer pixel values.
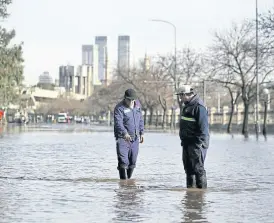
(185, 89)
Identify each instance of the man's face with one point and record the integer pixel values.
(129, 102)
(186, 97)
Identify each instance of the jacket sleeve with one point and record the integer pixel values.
(141, 124)
(203, 126)
(118, 122)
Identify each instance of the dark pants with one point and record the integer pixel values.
(193, 160)
(127, 153)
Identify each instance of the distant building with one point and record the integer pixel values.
(124, 52)
(95, 66)
(146, 63)
(101, 42)
(83, 80)
(90, 57)
(66, 77)
(45, 78)
(87, 51)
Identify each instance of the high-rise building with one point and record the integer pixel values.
(66, 77)
(101, 42)
(45, 78)
(124, 52)
(95, 67)
(83, 78)
(90, 57)
(87, 54)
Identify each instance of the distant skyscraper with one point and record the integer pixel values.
(87, 54)
(45, 78)
(95, 67)
(66, 77)
(90, 57)
(123, 52)
(101, 42)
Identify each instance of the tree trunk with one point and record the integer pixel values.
(171, 118)
(150, 116)
(265, 118)
(156, 122)
(164, 119)
(233, 102)
(230, 117)
(245, 121)
(145, 116)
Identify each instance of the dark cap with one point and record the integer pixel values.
(130, 94)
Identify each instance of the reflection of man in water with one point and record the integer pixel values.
(193, 206)
(128, 201)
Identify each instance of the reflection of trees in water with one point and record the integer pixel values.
(193, 206)
(1, 131)
(128, 202)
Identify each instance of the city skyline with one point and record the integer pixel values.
(51, 37)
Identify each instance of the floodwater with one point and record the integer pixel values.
(68, 174)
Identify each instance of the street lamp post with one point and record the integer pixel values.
(175, 59)
(257, 127)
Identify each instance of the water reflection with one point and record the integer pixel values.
(11, 129)
(193, 206)
(128, 202)
(1, 131)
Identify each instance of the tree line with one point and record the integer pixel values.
(11, 60)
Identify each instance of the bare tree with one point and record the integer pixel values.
(190, 66)
(266, 27)
(234, 96)
(233, 61)
(157, 81)
(105, 98)
(142, 80)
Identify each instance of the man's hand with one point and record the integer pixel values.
(141, 138)
(127, 137)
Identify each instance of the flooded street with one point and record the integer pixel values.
(61, 174)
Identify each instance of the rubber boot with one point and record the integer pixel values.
(122, 173)
(129, 172)
(201, 181)
(190, 181)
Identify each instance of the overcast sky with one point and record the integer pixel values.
(54, 30)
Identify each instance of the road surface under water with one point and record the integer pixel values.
(68, 174)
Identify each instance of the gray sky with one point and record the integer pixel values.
(54, 30)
